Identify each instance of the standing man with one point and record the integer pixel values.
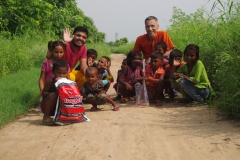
(76, 51)
(145, 43)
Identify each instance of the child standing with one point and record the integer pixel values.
(129, 77)
(57, 51)
(154, 78)
(94, 91)
(192, 77)
(115, 86)
(49, 92)
(175, 58)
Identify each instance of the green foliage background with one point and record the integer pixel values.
(218, 36)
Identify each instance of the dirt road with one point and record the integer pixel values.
(170, 132)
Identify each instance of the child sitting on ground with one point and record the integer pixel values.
(49, 93)
(94, 91)
(91, 58)
(192, 77)
(175, 56)
(115, 86)
(129, 77)
(154, 78)
(57, 49)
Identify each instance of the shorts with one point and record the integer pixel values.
(97, 98)
(78, 77)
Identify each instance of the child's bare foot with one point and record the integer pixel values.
(95, 109)
(116, 108)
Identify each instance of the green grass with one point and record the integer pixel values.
(123, 49)
(19, 91)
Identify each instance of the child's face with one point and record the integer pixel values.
(155, 63)
(91, 76)
(190, 56)
(101, 63)
(159, 49)
(60, 72)
(92, 56)
(58, 52)
(135, 58)
(124, 64)
(49, 55)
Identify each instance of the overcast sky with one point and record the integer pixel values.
(126, 17)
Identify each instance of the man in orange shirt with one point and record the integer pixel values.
(145, 43)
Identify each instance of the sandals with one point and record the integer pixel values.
(196, 104)
(158, 103)
(123, 100)
(131, 99)
(48, 122)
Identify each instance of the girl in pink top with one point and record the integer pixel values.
(129, 77)
(57, 50)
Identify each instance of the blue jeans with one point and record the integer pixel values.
(198, 94)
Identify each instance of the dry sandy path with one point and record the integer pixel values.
(170, 132)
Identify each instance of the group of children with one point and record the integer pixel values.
(165, 73)
(161, 73)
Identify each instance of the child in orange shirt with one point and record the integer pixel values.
(154, 78)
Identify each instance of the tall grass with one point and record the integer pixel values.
(218, 34)
(19, 91)
(123, 48)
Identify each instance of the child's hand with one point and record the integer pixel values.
(108, 65)
(128, 86)
(176, 61)
(89, 62)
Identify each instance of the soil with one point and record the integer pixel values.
(169, 132)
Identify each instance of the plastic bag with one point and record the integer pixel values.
(69, 107)
(141, 91)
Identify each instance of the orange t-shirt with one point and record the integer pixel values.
(145, 46)
(150, 74)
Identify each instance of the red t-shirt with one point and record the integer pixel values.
(73, 57)
(145, 46)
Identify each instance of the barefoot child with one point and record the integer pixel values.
(192, 77)
(57, 51)
(94, 91)
(49, 92)
(154, 78)
(129, 77)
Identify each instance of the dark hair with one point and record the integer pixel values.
(192, 47)
(59, 63)
(50, 45)
(131, 55)
(92, 51)
(58, 43)
(90, 69)
(156, 54)
(162, 44)
(151, 18)
(107, 58)
(80, 29)
(175, 53)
